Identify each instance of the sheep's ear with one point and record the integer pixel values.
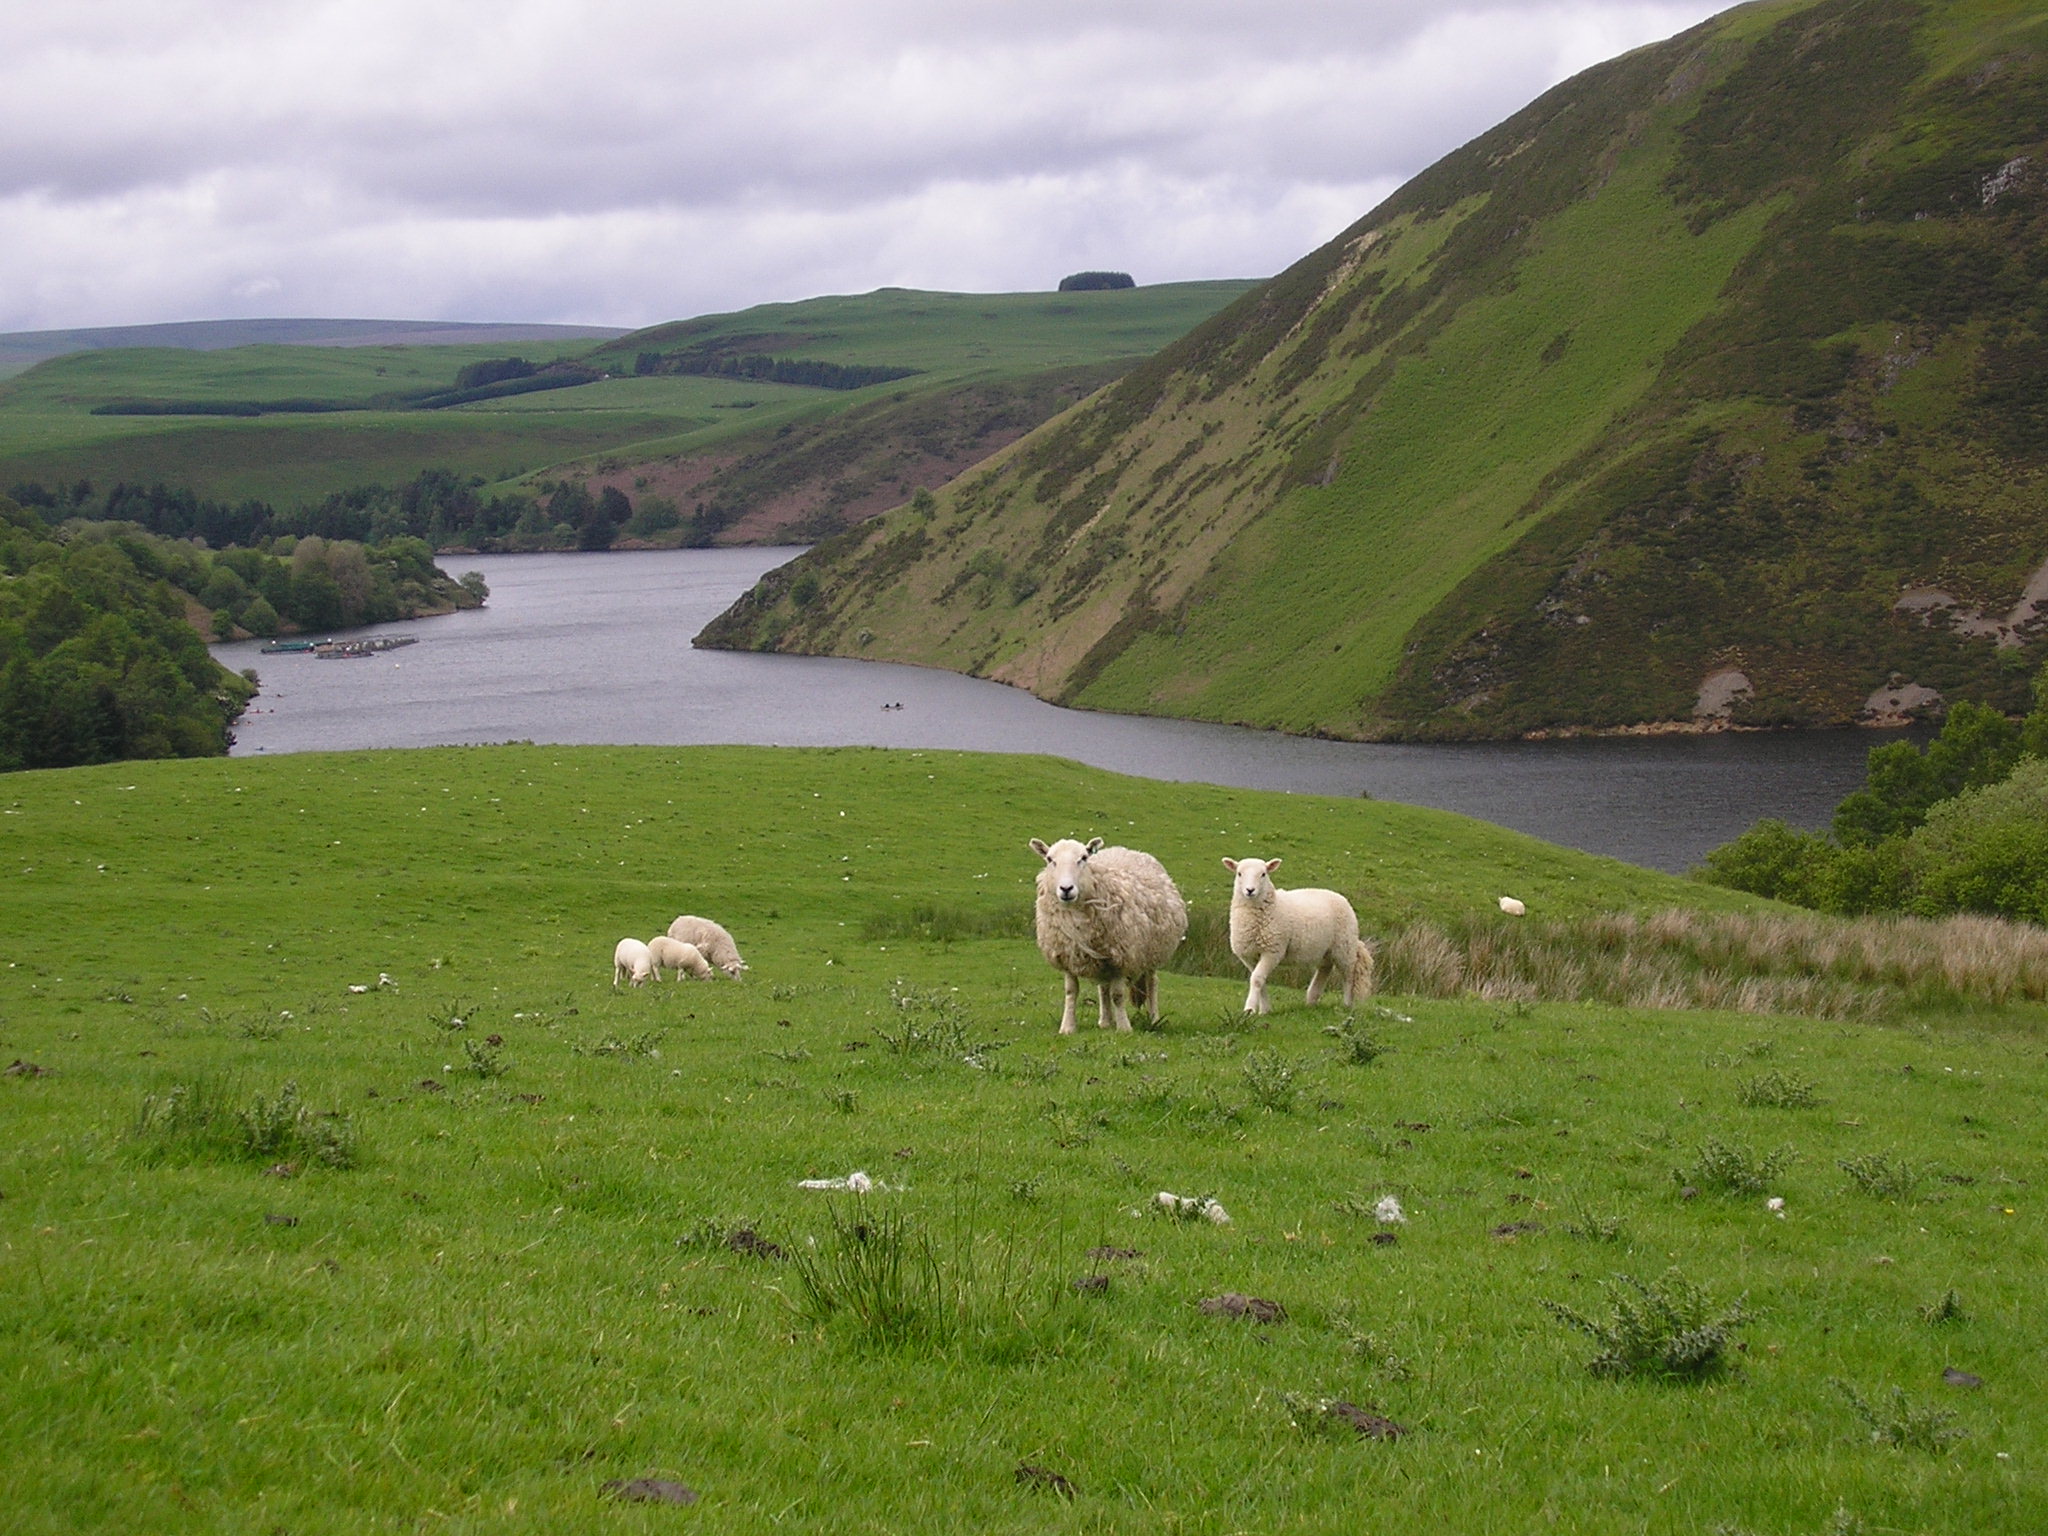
(1095, 845)
(1271, 865)
(1038, 847)
(1231, 865)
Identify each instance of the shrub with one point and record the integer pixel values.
(1664, 1328)
(1985, 851)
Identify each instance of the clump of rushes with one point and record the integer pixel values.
(201, 1121)
(1666, 1328)
(1730, 1169)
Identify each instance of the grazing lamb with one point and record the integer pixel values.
(1315, 928)
(1513, 907)
(631, 958)
(674, 955)
(712, 941)
(1112, 915)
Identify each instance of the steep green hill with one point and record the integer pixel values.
(334, 418)
(1706, 388)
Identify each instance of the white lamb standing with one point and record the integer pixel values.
(1112, 915)
(1316, 928)
(674, 955)
(712, 941)
(631, 959)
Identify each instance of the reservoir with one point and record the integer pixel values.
(595, 649)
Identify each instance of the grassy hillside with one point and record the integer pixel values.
(1716, 362)
(343, 1191)
(648, 434)
(20, 350)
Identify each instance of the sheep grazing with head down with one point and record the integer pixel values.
(712, 942)
(1269, 927)
(1111, 915)
(631, 960)
(674, 955)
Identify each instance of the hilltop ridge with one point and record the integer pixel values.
(1702, 392)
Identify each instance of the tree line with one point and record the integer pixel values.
(444, 508)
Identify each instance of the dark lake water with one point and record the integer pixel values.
(596, 649)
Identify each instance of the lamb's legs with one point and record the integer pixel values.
(1255, 1000)
(1316, 982)
(1073, 1004)
(1109, 997)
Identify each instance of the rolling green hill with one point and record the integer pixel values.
(1706, 389)
(1022, 356)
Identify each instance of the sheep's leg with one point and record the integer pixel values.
(1073, 1003)
(617, 971)
(1149, 985)
(1255, 1000)
(1111, 997)
(1324, 970)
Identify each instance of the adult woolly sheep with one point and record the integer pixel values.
(674, 955)
(1316, 928)
(631, 959)
(1111, 915)
(712, 941)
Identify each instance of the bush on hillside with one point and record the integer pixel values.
(1086, 282)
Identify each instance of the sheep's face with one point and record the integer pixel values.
(1252, 879)
(1066, 861)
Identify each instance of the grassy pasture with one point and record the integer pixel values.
(48, 434)
(524, 1287)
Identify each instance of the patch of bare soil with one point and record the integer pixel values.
(648, 1490)
(746, 1240)
(1236, 1304)
(1370, 1425)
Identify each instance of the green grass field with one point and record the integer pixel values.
(48, 433)
(527, 1283)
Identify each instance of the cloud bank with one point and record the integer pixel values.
(618, 162)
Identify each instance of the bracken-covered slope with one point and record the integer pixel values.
(1711, 387)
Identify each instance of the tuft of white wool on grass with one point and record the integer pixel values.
(1512, 907)
(1776, 1206)
(1388, 1212)
(1188, 1207)
(674, 955)
(1112, 916)
(856, 1182)
(712, 941)
(1270, 927)
(353, 987)
(631, 961)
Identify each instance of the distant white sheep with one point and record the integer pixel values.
(1112, 915)
(674, 955)
(631, 959)
(1316, 928)
(712, 941)
(1512, 907)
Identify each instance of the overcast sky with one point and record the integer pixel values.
(618, 162)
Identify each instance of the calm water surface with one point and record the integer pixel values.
(596, 649)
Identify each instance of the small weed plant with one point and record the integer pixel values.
(1884, 1175)
(1355, 1047)
(1945, 1308)
(1778, 1089)
(1666, 1328)
(200, 1121)
(485, 1059)
(1903, 1424)
(1728, 1168)
(1270, 1081)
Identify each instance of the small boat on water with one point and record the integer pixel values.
(285, 647)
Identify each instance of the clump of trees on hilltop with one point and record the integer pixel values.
(1960, 825)
(1086, 282)
(97, 661)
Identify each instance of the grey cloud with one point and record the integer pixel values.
(665, 158)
